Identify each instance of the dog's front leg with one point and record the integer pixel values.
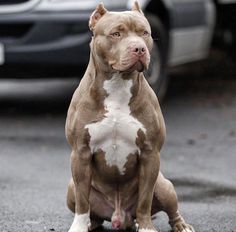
(81, 173)
(148, 172)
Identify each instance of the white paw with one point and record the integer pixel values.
(81, 223)
(187, 230)
(146, 230)
(78, 228)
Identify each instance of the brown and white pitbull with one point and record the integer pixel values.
(116, 130)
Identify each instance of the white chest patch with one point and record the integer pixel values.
(116, 134)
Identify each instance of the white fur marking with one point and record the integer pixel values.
(116, 134)
(187, 230)
(146, 230)
(81, 223)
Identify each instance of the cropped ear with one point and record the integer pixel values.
(136, 7)
(96, 15)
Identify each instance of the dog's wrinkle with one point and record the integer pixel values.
(129, 62)
(194, 190)
(126, 61)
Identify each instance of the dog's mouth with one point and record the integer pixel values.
(137, 65)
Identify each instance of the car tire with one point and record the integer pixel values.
(156, 74)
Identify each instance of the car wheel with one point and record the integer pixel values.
(156, 74)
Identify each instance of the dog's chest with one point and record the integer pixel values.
(116, 133)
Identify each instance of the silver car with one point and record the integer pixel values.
(46, 38)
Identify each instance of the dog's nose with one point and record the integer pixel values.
(139, 50)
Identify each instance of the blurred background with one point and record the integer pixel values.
(44, 50)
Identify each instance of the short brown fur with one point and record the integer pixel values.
(142, 191)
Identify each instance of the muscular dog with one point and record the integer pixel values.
(116, 130)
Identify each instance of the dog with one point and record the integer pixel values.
(116, 131)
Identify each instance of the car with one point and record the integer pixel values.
(50, 38)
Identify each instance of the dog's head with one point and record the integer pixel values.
(121, 40)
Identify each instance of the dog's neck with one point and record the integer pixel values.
(118, 78)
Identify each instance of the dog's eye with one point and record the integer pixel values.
(146, 33)
(116, 34)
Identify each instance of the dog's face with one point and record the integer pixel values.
(122, 40)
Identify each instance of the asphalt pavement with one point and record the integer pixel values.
(199, 155)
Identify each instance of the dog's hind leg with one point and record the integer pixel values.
(165, 199)
(71, 196)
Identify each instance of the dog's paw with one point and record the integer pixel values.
(81, 223)
(145, 227)
(77, 229)
(182, 227)
(147, 230)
